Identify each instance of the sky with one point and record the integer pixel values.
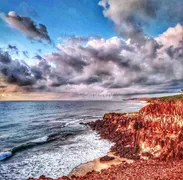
(70, 49)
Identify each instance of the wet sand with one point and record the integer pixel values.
(99, 164)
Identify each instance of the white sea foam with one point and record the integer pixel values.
(58, 161)
(5, 155)
(40, 140)
(56, 158)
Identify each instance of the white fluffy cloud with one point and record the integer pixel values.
(172, 37)
(131, 17)
(118, 11)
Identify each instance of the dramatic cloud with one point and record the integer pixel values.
(129, 16)
(27, 26)
(35, 77)
(14, 71)
(41, 76)
(114, 63)
(132, 16)
(103, 65)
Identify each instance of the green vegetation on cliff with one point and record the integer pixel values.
(168, 98)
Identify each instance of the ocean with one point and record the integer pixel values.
(48, 138)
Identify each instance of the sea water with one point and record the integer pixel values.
(48, 138)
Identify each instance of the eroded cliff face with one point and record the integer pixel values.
(162, 134)
(119, 128)
(155, 134)
(156, 131)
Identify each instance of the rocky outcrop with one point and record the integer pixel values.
(156, 131)
(153, 137)
(119, 128)
(162, 134)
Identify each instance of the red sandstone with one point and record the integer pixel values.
(155, 134)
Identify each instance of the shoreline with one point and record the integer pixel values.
(98, 165)
(151, 137)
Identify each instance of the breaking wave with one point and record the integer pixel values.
(8, 153)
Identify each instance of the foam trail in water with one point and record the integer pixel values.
(40, 140)
(56, 162)
(5, 155)
(45, 139)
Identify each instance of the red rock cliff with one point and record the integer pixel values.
(155, 133)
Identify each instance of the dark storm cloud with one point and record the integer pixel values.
(69, 61)
(175, 53)
(37, 72)
(93, 79)
(27, 26)
(14, 71)
(49, 76)
(36, 76)
(97, 77)
(5, 58)
(58, 80)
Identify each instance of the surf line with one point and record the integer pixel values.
(7, 154)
